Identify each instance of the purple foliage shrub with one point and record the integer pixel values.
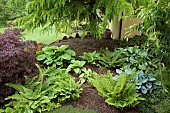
(17, 59)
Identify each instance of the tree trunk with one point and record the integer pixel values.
(115, 27)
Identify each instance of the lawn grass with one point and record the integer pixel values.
(45, 38)
(38, 36)
(2, 30)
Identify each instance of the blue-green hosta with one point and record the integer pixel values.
(146, 82)
(58, 55)
(44, 92)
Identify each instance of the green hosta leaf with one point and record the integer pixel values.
(77, 63)
(77, 70)
(41, 57)
(40, 52)
(48, 61)
(62, 48)
(66, 56)
(70, 52)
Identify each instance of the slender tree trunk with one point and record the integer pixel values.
(115, 27)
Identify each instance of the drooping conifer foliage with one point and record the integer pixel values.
(64, 13)
(17, 58)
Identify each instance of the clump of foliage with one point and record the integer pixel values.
(163, 106)
(90, 57)
(43, 92)
(153, 100)
(69, 109)
(87, 75)
(17, 58)
(120, 92)
(76, 65)
(56, 55)
(111, 59)
(146, 82)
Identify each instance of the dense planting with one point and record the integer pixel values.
(43, 95)
(17, 58)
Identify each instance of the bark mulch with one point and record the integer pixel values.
(90, 99)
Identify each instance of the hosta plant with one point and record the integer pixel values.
(119, 93)
(146, 82)
(57, 55)
(43, 92)
(90, 57)
(76, 66)
(87, 75)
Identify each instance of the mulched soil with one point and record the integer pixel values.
(90, 99)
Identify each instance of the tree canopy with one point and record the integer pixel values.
(64, 13)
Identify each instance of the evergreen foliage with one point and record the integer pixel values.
(65, 13)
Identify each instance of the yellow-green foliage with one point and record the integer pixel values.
(119, 93)
(44, 92)
(66, 13)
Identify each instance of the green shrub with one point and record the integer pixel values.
(164, 77)
(60, 56)
(44, 92)
(153, 100)
(163, 106)
(69, 109)
(120, 92)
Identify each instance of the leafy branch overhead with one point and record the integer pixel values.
(63, 13)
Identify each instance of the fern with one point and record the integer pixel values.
(112, 59)
(37, 94)
(119, 93)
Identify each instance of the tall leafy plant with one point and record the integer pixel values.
(119, 93)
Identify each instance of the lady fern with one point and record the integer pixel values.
(119, 93)
(44, 92)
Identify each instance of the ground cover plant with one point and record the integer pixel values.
(54, 55)
(43, 92)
